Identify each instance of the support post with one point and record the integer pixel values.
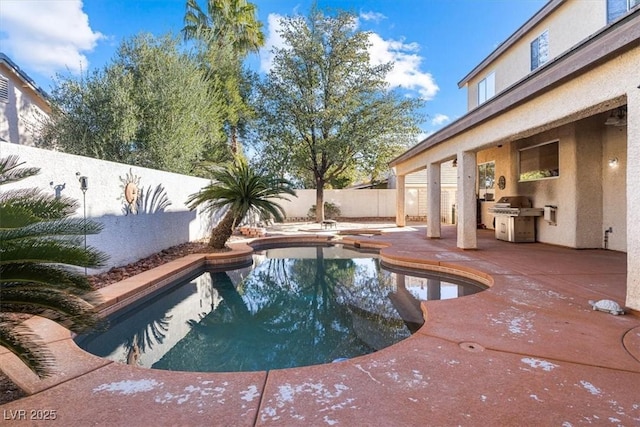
(433, 201)
(400, 196)
(467, 220)
(633, 198)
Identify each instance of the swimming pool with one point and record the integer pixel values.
(294, 306)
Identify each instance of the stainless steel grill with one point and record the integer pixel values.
(515, 219)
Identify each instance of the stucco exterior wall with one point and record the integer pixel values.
(125, 237)
(24, 114)
(565, 31)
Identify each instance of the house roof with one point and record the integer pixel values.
(28, 81)
(613, 39)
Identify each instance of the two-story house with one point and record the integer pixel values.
(553, 115)
(23, 105)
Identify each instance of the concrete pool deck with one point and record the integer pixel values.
(527, 351)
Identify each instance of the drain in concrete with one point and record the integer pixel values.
(471, 346)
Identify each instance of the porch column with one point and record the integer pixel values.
(433, 201)
(466, 199)
(633, 198)
(400, 213)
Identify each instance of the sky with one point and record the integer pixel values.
(433, 43)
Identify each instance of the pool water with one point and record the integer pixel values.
(293, 307)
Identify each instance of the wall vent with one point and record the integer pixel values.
(4, 89)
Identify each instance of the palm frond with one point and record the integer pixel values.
(51, 251)
(61, 227)
(71, 311)
(40, 245)
(27, 346)
(41, 205)
(10, 170)
(50, 275)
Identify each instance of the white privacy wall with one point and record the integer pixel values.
(126, 237)
(352, 203)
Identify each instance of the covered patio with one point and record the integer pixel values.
(569, 103)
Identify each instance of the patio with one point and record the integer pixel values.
(528, 351)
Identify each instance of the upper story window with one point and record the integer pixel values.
(617, 8)
(4, 89)
(487, 88)
(540, 50)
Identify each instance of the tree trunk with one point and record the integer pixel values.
(234, 140)
(223, 231)
(319, 200)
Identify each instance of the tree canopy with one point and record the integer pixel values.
(227, 30)
(151, 106)
(324, 111)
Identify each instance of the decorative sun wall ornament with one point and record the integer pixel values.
(131, 192)
(502, 182)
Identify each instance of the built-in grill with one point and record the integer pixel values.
(515, 219)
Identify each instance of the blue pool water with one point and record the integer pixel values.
(293, 307)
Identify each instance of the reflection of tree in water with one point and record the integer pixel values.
(291, 313)
(145, 337)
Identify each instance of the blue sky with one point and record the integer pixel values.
(434, 43)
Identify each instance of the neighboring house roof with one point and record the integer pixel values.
(517, 35)
(28, 81)
(611, 40)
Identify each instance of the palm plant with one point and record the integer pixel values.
(225, 21)
(241, 190)
(228, 31)
(39, 246)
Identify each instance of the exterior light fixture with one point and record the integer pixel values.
(455, 163)
(84, 186)
(617, 117)
(613, 162)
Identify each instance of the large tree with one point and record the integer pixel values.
(40, 244)
(227, 31)
(324, 110)
(151, 106)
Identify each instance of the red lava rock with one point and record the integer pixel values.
(119, 273)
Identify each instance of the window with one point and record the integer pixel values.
(539, 162)
(617, 8)
(4, 89)
(487, 88)
(486, 179)
(540, 50)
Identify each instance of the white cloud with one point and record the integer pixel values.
(440, 119)
(372, 16)
(47, 36)
(406, 71)
(273, 39)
